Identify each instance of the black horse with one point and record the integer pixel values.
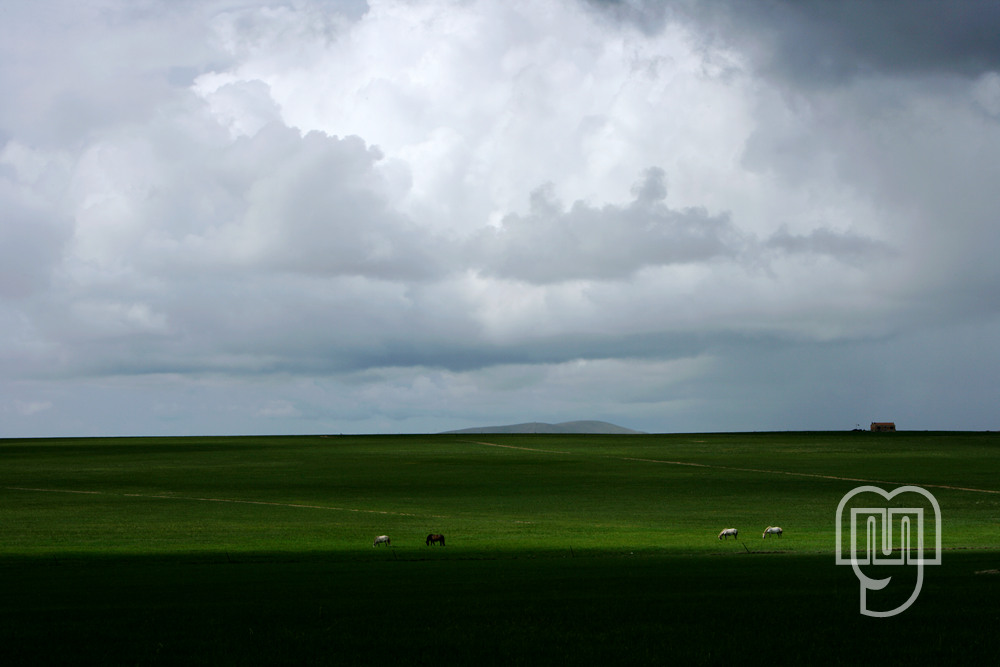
(435, 537)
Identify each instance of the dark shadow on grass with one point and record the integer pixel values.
(538, 608)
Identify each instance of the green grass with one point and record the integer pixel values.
(645, 610)
(560, 549)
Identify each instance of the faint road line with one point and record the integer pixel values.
(527, 449)
(675, 463)
(22, 488)
(226, 500)
(760, 470)
(812, 474)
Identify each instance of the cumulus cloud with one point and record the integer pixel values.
(402, 215)
(552, 243)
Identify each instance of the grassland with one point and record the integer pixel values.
(560, 549)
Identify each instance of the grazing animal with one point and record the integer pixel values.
(435, 537)
(729, 532)
(772, 530)
(382, 539)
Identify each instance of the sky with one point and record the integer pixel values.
(333, 216)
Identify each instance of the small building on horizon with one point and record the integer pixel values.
(883, 426)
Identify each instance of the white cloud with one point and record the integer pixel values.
(486, 101)
(397, 216)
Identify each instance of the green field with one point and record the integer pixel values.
(584, 549)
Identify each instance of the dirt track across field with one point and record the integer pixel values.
(760, 470)
(223, 500)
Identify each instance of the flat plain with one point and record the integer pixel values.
(560, 548)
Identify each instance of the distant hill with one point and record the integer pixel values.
(597, 427)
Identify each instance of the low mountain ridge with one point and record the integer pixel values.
(579, 427)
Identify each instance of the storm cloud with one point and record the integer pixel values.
(324, 216)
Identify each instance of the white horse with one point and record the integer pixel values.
(729, 532)
(382, 539)
(772, 530)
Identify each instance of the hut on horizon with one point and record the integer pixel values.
(883, 426)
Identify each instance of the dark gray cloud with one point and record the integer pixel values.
(814, 41)
(328, 216)
(554, 243)
(847, 247)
